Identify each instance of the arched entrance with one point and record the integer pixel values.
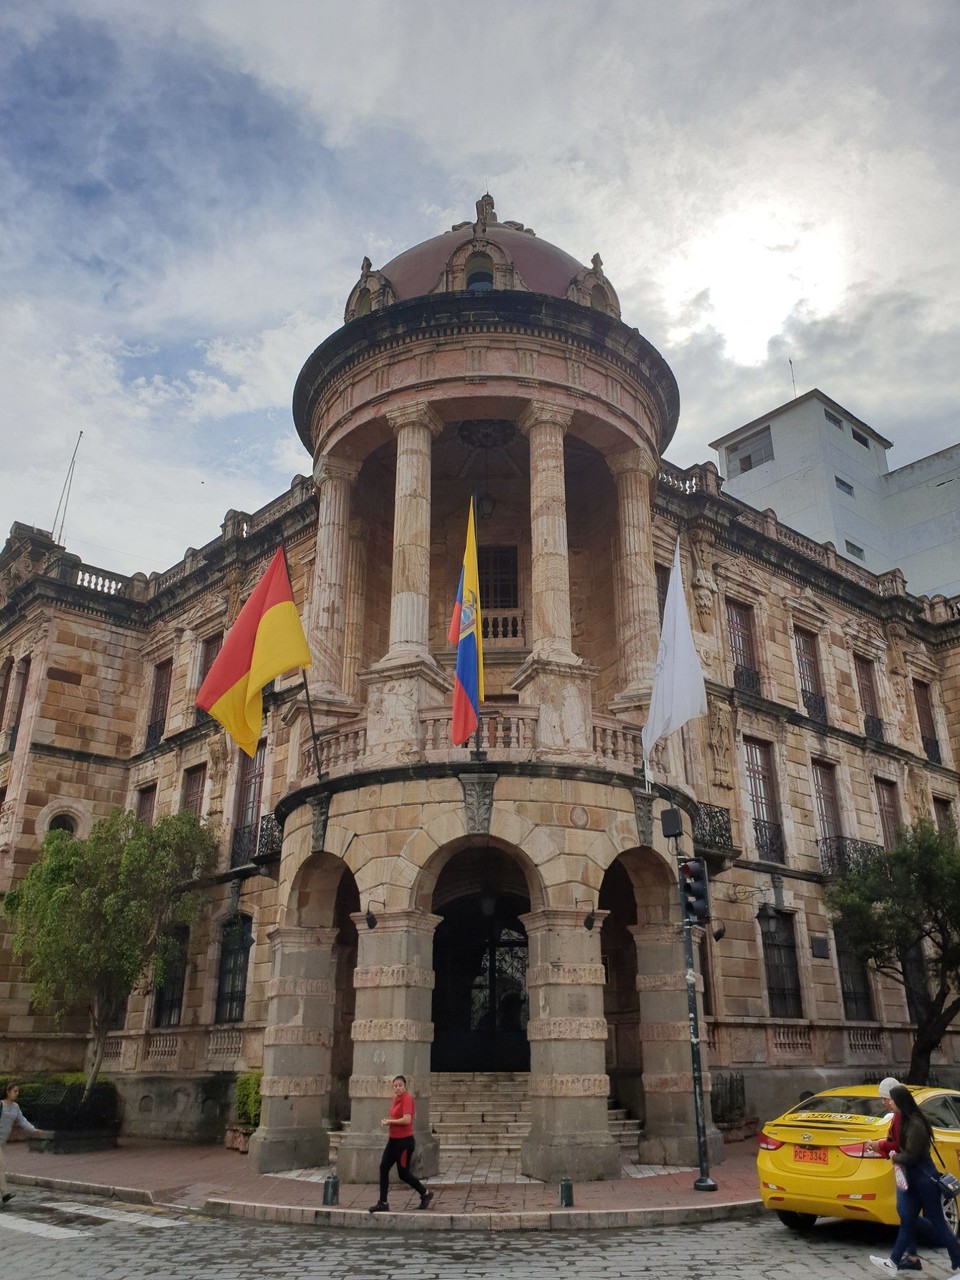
(480, 1007)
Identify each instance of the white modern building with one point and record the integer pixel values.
(824, 472)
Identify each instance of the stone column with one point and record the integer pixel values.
(569, 1131)
(356, 594)
(407, 678)
(334, 478)
(670, 1131)
(415, 427)
(392, 1034)
(558, 681)
(638, 625)
(297, 1045)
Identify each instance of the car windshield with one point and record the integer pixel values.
(846, 1105)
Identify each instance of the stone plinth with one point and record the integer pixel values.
(392, 1035)
(297, 1045)
(569, 1132)
(562, 692)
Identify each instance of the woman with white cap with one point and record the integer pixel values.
(886, 1147)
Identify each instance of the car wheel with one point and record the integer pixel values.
(802, 1221)
(952, 1214)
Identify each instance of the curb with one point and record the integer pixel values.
(543, 1220)
(131, 1195)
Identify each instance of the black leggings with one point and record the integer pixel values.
(399, 1152)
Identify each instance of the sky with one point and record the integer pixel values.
(187, 191)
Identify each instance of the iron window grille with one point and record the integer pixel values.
(236, 939)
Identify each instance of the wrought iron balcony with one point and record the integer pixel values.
(711, 827)
(873, 728)
(269, 839)
(154, 734)
(769, 839)
(746, 679)
(816, 705)
(839, 855)
(244, 845)
(931, 749)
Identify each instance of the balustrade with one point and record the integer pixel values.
(816, 705)
(873, 728)
(839, 855)
(769, 840)
(746, 679)
(711, 827)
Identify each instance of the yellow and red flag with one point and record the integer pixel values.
(266, 640)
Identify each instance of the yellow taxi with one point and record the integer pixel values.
(813, 1161)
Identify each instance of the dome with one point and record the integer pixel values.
(482, 256)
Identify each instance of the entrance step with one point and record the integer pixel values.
(479, 1113)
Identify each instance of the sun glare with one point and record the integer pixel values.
(745, 275)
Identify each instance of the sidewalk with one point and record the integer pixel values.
(215, 1181)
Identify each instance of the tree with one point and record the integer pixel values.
(93, 917)
(899, 912)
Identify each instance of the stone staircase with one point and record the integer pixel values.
(488, 1112)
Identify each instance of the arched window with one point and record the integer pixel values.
(363, 302)
(478, 273)
(63, 822)
(598, 299)
(168, 999)
(236, 939)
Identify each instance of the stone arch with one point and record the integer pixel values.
(591, 288)
(505, 274)
(423, 889)
(372, 292)
(63, 807)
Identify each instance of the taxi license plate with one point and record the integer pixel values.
(810, 1155)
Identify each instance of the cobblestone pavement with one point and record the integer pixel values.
(44, 1236)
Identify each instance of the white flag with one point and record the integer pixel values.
(678, 693)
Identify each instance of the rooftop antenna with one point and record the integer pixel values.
(65, 494)
(792, 378)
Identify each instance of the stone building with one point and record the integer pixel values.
(508, 906)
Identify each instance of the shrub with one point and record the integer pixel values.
(52, 1101)
(246, 1098)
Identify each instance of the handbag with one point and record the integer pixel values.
(948, 1185)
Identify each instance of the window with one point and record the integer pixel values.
(854, 550)
(249, 793)
(191, 794)
(854, 985)
(860, 437)
(497, 571)
(209, 648)
(750, 452)
(62, 822)
(843, 485)
(780, 966)
(811, 685)
(943, 813)
(662, 573)
(168, 999)
(767, 831)
(833, 419)
(928, 732)
(867, 687)
(825, 798)
(236, 939)
(162, 674)
(746, 677)
(146, 803)
(478, 273)
(889, 811)
(942, 1112)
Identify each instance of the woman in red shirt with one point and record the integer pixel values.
(400, 1146)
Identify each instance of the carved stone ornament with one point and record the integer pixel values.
(643, 808)
(477, 801)
(321, 812)
(720, 745)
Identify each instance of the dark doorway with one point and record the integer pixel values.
(480, 1004)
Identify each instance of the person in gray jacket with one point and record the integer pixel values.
(10, 1114)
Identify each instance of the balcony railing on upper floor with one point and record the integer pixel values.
(711, 828)
(154, 734)
(504, 733)
(815, 705)
(873, 728)
(931, 749)
(768, 837)
(243, 844)
(503, 628)
(746, 679)
(839, 855)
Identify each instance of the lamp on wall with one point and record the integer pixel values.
(590, 919)
(368, 915)
(768, 918)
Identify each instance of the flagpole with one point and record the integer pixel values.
(306, 687)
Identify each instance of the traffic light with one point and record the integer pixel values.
(696, 900)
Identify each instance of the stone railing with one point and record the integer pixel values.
(617, 743)
(505, 733)
(178, 1049)
(788, 1040)
(867, 1043)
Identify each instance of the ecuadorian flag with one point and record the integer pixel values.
(266, 640)
(465, 633)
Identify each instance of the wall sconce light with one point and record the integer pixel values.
(485, 506)
(720, 932)
(590, 919)
(370, 918)
(768, 917)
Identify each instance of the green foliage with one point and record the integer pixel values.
(899, 904)
(55, 1100)
(92, 916)
(246, 1097)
